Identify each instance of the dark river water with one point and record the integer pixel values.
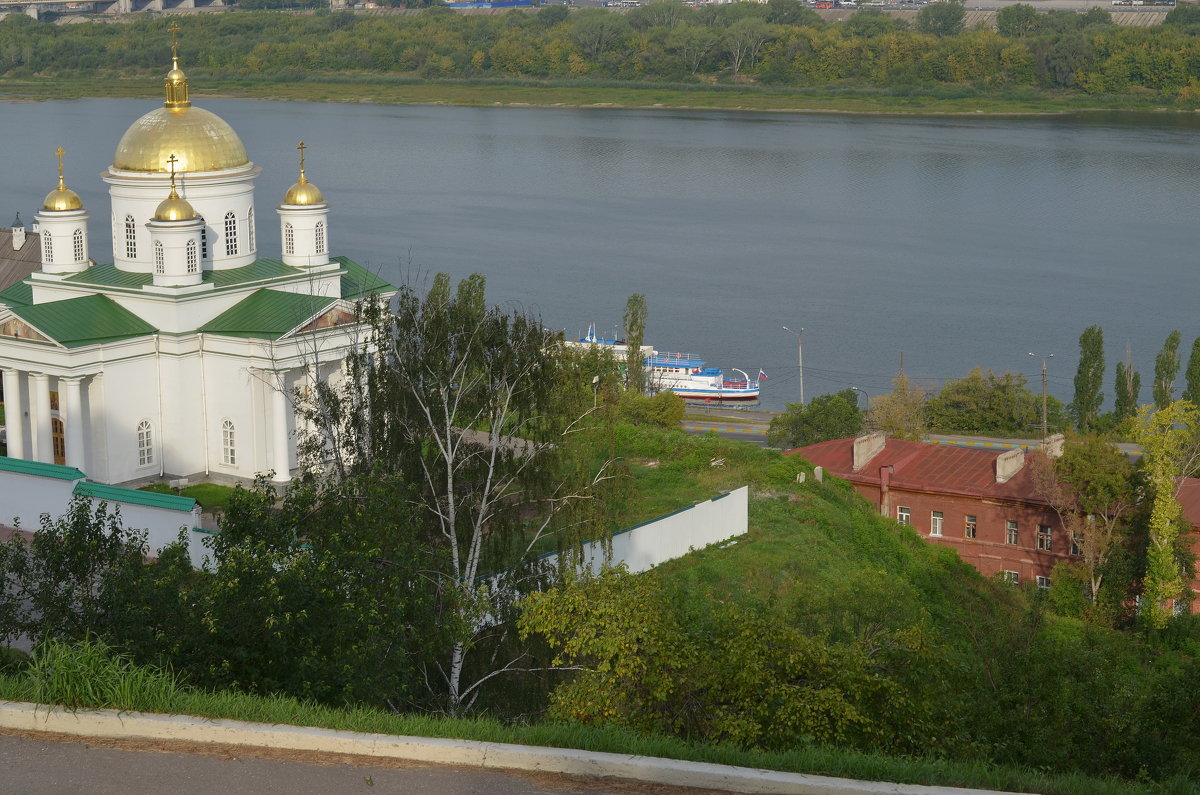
(955, 242)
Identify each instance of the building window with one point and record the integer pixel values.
(1011, 577)
(1044, 538)
(903, 515)
(250, 229)
(935, 523)
(47, 247)
(971, 528)
(228, 444)
(159, 266)
(289, 239)
(203, 240)
(78, 245)
(1043, 582)
(319, 234)
(1077, 545)
(230, 235)
(193, 264)
(1011, 536)
(130, 238)
(145, 443)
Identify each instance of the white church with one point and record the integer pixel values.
(182, 357)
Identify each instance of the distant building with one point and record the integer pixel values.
(981, 502)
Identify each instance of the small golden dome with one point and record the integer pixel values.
(202, 141)
(62, 198)
(303, 193)
(173, 208)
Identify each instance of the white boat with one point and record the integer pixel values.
(685, 374)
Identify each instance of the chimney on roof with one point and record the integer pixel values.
(1009, 464)
(18, 233)
(867, 447)
(1052, 446)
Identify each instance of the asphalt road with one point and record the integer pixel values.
(36, 764)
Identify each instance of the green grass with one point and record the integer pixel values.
(212, 497)
(89, 676)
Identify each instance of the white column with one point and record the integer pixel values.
(43, 442)
(14, 414)
(280, 408)
(73, 422)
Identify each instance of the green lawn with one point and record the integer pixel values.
(211, 496)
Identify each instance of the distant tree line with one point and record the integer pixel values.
(779, 43)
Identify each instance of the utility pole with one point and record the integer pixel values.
(799, 358)
(1045, 421)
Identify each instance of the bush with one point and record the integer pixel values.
(665, 409)
(12, 661)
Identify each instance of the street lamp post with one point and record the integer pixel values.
(862, 392)
(1045, 421)
(799, 358)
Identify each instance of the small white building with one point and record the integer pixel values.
(182, 357)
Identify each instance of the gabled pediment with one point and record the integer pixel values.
(335, 316)
(15, 328)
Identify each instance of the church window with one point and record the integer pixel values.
(130, 238)
(145, 443)
(250, 229)
(231, 246)
(228, 443)
(193, 265)
(78, 245)
(319, 234)
(47, 248)
(159, 265)
(203, 240)
(289, 239)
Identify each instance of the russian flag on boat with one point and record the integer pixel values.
(761, 374)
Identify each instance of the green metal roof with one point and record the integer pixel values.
(19, 294)
(357, 281)
(84, 321)
(261, 269)
(39, 469)
(153, 499)
(267, 314)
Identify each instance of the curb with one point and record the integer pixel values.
(590, 764)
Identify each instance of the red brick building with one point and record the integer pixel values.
(981, 502)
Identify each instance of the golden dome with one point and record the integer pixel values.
(62, 198)
(173, 208)
(202, 141)
(303, 193)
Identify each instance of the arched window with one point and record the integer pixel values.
(228, 443)
(159, 266)
(130, 238)
(145, 443)
(319, 237)
(193, 265)
(230, 234)
(250, 229)
(47, 247)
(289, 239)
(78, 245)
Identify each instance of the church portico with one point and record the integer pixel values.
(14, 412)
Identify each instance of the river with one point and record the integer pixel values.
(954, 242)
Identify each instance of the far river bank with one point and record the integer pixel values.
(392, 91)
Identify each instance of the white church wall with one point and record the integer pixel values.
(97, 453)
(232, 400)
(132, 396)
(25, 497)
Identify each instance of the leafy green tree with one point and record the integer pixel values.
(1183, 14)
(1191, 392)
(659, 14)
(901, 413)
(943, 18)
(693, 45)
(987, 404)
(664, 409)
(1017, 20)
(1166, 368)
(595, 30)
(743, 41)
(1089, 377)
(832, 416)
(1095, 16)
(635, 334)
(464, 403)
(1127, 387)
(792, 12)
(868, 23)
(1170, 450)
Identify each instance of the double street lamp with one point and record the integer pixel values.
(799, 358)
